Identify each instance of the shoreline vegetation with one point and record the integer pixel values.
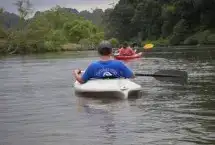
(164, 23)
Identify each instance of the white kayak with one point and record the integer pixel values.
(119, 88)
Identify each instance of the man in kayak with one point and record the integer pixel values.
(106, 67)
(126, 50)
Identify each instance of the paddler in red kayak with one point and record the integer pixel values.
(106, 67)
(126, 50)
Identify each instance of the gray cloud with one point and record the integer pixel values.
(47, 4)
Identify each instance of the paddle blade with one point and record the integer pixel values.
(172, 73)
(175, 76)
(148, 46)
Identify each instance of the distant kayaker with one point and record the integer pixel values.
(126, 50)
(106, 67)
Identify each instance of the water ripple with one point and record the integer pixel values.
(38, 104)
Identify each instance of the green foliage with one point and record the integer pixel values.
(119, 21)
(159, 42)
(96, 38)
(199, 38)
(3, 33)
(163, 22)
(153, 20)
(114, 42)
(169, 8)
(85, 43)
(24, 8)
(92, 41)
(72, 47)
(179, 32)
(48, 31)
(1, 11)
(147, 18)
(211, 39)
(95, 16)
(191, 41)
(56, 36)
(202, 36)
(79, 29)
(51, 46)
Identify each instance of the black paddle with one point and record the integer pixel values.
(176, 76)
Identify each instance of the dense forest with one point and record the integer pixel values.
(165, 22)
(162, 22)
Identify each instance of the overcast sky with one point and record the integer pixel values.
(47, 4)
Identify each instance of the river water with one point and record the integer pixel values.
(38, 105)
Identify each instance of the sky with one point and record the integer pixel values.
(42, 5)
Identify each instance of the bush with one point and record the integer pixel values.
(198, 38)
(202, 36)
(114, 42)
(191, 41)
(3, 46)
(159, 42)
(3, 33)
(180, 31)
(57, 36)
(71, 47)
(211, 39)
(85, 44)
(51, 46)
(96, 38)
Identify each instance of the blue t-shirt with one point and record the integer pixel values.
(103, 69)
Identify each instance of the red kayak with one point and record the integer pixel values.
(121, 57)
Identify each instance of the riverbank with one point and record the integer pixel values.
(53, 55)
(37, 48)
(30, 47)
(68, 53)
(200, 38)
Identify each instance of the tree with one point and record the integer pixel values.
(147, 19)
(157, 19)
(24, 8)
(79, 29)
(1, 10)
(120, 21)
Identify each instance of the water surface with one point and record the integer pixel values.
(38, 105)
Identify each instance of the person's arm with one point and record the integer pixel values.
(127, 72)
(78, 76)
(86, 75)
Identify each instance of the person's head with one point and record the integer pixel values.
(105, 48)
(125, 45)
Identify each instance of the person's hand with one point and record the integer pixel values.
(77, 71)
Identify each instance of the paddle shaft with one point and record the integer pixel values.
(156, 75)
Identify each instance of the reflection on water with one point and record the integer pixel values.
(38, 104)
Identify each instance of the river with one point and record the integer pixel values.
(38, 105)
